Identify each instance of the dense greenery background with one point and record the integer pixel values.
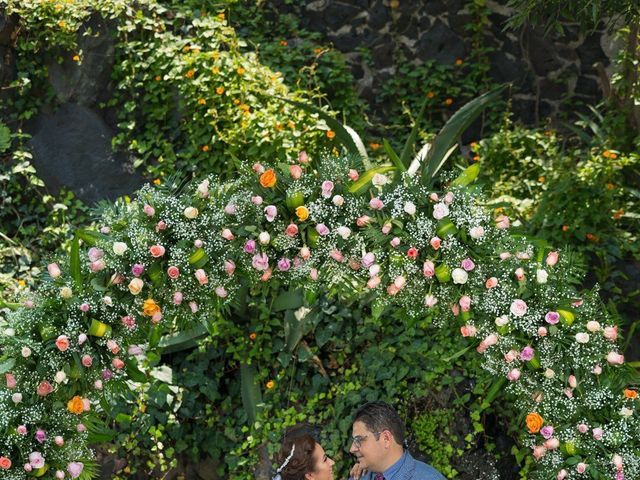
(575, 183)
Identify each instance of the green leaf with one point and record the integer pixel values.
(74, 262)
(251, 395)
(7, 365)
(393, 156)
(5, 137)
(405, 157)
(182, 340)
(290, 300)
(9, 305)
(467, 176)
(450, 133)
(345, 135)
(134, 373)
(362, 185)
(90, 237)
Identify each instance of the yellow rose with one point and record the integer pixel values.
(150, 307)
(302, 213)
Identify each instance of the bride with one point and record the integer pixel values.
(302, 458)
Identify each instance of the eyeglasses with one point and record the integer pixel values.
(358, 439)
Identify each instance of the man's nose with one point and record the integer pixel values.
(353, 448)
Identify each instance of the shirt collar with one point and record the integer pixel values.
(390, 472)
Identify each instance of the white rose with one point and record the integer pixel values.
(541, 276)
(191, 212)
(16, 397)
(582, 337)
(119, 248)
(344, 232)
(410, 208)
(66, 292)
(626, 412)
(476, 232)
(459, 276)
(60, 376)
(108, 301)
(26, 352)
(374, 270)
(301, 313)
(593, 326)
(264, 238)
(440, 210)
(203, 189)
(9, 332)
(502, 320)
(338, 200)
(379, 180)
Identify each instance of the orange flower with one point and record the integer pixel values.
(220, 90)
(476, 158)
(157, 181)
(205, 148)
(268, 179)
(190, 73)
(617, 215)
(473, 145)
(253, 336)
(157, 78)
(76, 405)
(283, 43)
(5, 463)
(610, 186)
(609, 154)
(221, 16)
(62, 23)
(430, 94)
(76, 58)
(374, 146)
(448, 101)
(331, 134)
(240, 70)
(215, 70)
(592, 238)
(459, 61)
(565, 228)
(628, 393)
(270, 384)
(541, 178)
(534, 422)
(202, 101)
(244, 107)
(150, 307)
(317, 51)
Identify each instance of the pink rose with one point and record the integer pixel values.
(227, 234)
(193, 306)
(128, 321)
(539, 452)
(229, 267)
(597, 370)
(137, 270)
(551, 444)
(395, 241)
(11, 380)
(581, 467)
(270, 213)
(230, 209)
(399, 282)
(455, 309)
(305, 253)
(502, 222)
(260, 261)
(505, 256)
(117, 363)
(434, 197)
(62, 342)
(156, 251)
(201, 276)
(428, 269)
(572, 381)
(97, 266)
(491, 282)
(376, 204)
(430, 301)
(373, 282)
(336, 255)
(448, 198)
(303, 157)
(519, 274)
(412, 253)
(87, 361)
(465, 303)
(518, 308)
(54, 270)
(148, 210)
(284, 264)
(221, 292)
(547, 431)
(353, 175)
(468, 331)
(363, 221)
(386, 228)
(161, 225)
(615, 358)
(313, 274)
(95, 254)
(368, 259)
(173, 272)
(511, 355)
(611, 333)
(292, 230)
(249, 246)
(597, 433)
(562, 474)
(513, 375)
(392, 290)
(440, 210)
(177, 298)
(258, 168)
(322, 229)
(21, 430)
(552, 317)
(467, 264)
(552, 258)
(44, 388)
(295, 171)
(327, 188)
(542, 332)
(435, 243)
(527, 353)
(256, 200)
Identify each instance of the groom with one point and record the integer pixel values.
(377, 443)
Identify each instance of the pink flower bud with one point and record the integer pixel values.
(562, 474)
(292, 230)
(313, 274)
(386, 228)
(193, 306)
(430, 301)
(54, 270)
(552, 258)
(353, 175)
(376, 204)
(581, 467)
(177, 298)
(221, 292)
(539, 451)
(519, 274)
(552, 444)
(373, 282)
(395, 241)
(363, 221)
(305, 253)
(615, 358)
(542, 332)
(303, 157)
(491, 282)
(201, 276)
(597, 433)
(256, 200)
(148, 210)
(611, 333)
(573, 382)
(229, 267)
(583, 428)
(465, 303)
(513, 375)
(295, 171)
(435, 243)
(227, 235)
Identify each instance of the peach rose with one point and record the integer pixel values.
(62, 342)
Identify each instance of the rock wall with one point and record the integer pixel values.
(547, 72)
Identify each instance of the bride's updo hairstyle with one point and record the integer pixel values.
(295, 457)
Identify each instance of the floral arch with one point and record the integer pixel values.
(166, 260)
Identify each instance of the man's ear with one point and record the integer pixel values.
(388, 437)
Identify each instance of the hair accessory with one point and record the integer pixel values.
(285, 463)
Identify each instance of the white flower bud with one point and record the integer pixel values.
(119, 248)
(264, 238)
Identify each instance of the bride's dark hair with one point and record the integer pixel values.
(302, 460)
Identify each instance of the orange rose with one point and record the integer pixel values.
(5, 463)
(150, 307)
(268, 178)
(76, 405)
(628, 393)
(534, 422)
(270, 384)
